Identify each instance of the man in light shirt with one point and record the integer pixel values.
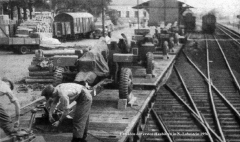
(64, 94)
(6, 87)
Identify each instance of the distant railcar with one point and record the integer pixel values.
(209, 23)
(189, 22)
(72, 25)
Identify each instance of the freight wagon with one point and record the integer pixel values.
(72, 25)
(209, 23)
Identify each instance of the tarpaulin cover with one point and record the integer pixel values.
(96, 59)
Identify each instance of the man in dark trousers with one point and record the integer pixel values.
(6, 87)
(64, 94)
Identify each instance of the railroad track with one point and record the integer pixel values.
(214, 104)
(223, 78)
(227, 33)
(177, 118)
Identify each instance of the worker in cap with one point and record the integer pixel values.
(64, 94)
(124, 44)
(165, 50)
(6, 87)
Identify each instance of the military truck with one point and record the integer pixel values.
(24, 41)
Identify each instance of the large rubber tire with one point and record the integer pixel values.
(126, 84)
(150, 65)
(58, 76)
(23, 50)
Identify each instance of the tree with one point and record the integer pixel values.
(92, 6)
(113, 14)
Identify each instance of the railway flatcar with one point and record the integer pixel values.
(189, 22)
(72, 25)
(209, 23)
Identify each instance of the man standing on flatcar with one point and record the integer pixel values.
(64, 94)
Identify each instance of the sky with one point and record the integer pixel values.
(224, 6)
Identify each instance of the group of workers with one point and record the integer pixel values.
(166, 40)
(63, 94)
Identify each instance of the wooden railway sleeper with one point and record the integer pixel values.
(215, 88)
(162, 125)
(192, 101)
(229, 67)
(202, 123)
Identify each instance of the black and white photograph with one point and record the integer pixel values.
(119, 71)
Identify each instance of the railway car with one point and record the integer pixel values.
(189, 22)
(209, 23)
(72, 25)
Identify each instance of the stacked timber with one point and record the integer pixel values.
(38, 72)
(42, 68)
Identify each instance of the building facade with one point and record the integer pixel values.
(163, 11)
(126, 11)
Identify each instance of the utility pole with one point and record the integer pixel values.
(164, 11)
(103, 19)
(138, 13)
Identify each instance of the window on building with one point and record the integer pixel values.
(136, 13)
(144, 13)
(119, 13)
(127, 14)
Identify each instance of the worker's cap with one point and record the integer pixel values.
(5, 79)
(48, 91)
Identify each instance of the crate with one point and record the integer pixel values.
(117, 57)
(141, 31)
(65, 61)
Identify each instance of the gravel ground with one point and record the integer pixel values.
(15, 67)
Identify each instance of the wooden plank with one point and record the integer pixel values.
(109, 118)
(110, 127)
(43, 73)
(40, 77)
(33, 68)
(33, 80)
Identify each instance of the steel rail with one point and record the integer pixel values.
(229, 35)
(229, 67)
(221, 26)
(192, 101)
(214, 87)
(163, 126)
(203, 124)
(215, 114)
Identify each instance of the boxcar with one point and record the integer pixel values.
(209, 23)
(72, 25)
(189, 22)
